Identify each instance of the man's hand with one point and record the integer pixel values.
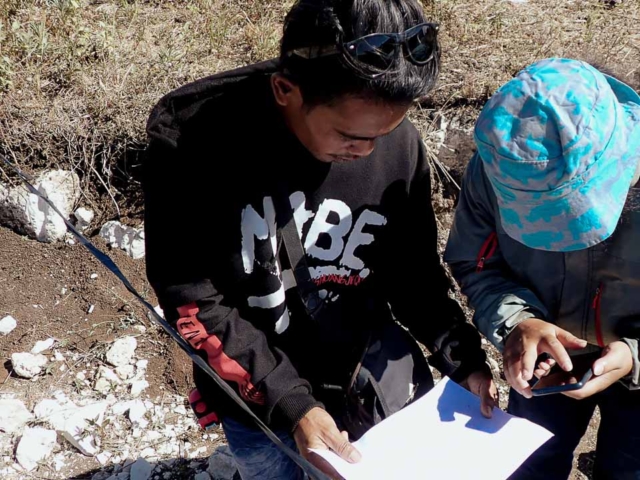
(526, 342)
(616, 362)
(318, 430)
(481, 383)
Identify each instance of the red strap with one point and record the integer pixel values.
(596, 305)
(487, 251)
(194, 332)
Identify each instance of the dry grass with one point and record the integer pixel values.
(78, 77)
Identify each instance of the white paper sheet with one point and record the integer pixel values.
(443, 436)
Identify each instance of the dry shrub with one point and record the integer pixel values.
(78, 77)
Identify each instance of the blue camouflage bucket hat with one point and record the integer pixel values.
(560, 144)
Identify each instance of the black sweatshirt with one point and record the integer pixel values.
(219, 155)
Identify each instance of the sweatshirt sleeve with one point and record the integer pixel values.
(473, 253)
(419, 287)
(182, 272)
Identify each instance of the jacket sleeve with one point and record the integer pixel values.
(183, 276)
(419, 288)
(477, 263)
(632, 381)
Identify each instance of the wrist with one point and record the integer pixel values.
(628, 358)
(519, 322)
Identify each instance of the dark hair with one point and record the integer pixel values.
(317, 23)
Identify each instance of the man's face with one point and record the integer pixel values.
(343, 131)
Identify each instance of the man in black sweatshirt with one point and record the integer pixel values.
(322, 131)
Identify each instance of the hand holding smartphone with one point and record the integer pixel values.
(558, 380)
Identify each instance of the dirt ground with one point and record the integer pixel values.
(49, 290)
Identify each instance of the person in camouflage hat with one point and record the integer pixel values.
(545, 245)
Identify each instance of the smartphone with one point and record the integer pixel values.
(558, 381)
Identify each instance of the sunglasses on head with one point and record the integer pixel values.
(373, 55)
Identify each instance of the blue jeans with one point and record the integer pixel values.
(618, 448)
(258, 458)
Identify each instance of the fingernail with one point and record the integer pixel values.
(598, 369)
(354, 456)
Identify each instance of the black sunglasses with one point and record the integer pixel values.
(374, 55)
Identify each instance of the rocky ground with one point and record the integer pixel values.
(91, 388)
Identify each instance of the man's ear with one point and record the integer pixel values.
(286, 92)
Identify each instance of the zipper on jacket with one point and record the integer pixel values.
(487, 251)
(597, 306)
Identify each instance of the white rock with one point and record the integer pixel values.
(180, 410)
(221, 464)
(86, 445)
(84, 217)
(29, 214)
(141, 369)
(81, 376)
(94, 276)
(28, 365)
(71, 420)
(103, 386)
(138, 387)
(106, 380)
(149, 453)
(7, 325)
(13, 415)
(197, 452)
(202, 476)
(47, 409)
(58, 356)
(141, 470)
(103, 458)
(120, 408)
(152, 436)
(137, 412)
(122, 351)
(125, 372)
(166, 449)
(58, 462)
(140, 328)
(129, 239)
(35, 445)
(43, 345)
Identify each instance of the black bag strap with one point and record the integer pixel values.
(294, 251)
